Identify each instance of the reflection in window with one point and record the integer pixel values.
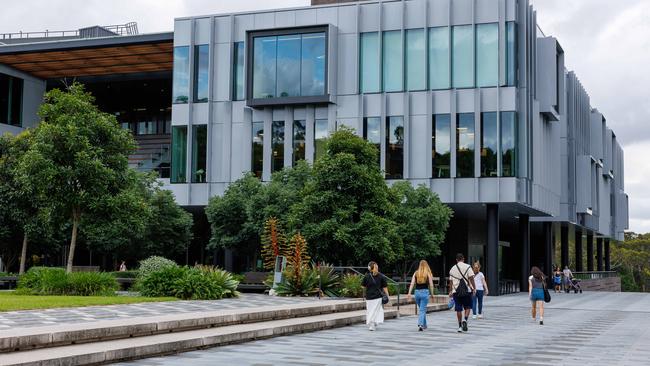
(395, 147)
(199, 153)
(487, 54)
(511, 53)
(179, 154)
(238, 72)
(372, 134)
(147, 128)
(289, 65)
(488, 144)
(439, 58)
(299, 128)
(463, 56)
(393, 61)
(312, 72)
(441, 145)
(11, 100)
(181, 75)
(464, 145)
(257, 165)
(277, 146)
(320, 138)
(201, 60)
(369, 62)
(415, 60)
(508, 144)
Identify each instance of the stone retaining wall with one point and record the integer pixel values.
(602, 284)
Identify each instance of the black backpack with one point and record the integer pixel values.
(461, 290)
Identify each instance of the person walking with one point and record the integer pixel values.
(123, 266)
(536, 283)
(461, 289)
(481, 290)
(422, 280)
(567, 278)
(376, 287)
(557, 279)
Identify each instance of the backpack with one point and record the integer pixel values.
(462, 290)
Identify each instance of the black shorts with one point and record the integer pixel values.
(463, 302)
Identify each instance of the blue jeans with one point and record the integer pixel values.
(422, 299)
(478, 298)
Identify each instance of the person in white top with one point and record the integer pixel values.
(567, 277)
(461, 289)
(481, 290)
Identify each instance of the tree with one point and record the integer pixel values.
(347, 211)
(169, 231)
(78, 158)
(632, 260)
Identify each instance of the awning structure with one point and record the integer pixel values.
(91, 57)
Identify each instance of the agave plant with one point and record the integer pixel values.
(305, 284)
(328, 281)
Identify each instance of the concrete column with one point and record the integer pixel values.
(547, 228)
(579, 251)
(524, 235)
(599, 254)
(607, 258)
(492, 248)
(227, 260)
(590, 252)
(564, 242)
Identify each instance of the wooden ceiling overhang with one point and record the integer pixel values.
(92, 57)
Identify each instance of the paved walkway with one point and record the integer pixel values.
(36, 318)
(580, 329)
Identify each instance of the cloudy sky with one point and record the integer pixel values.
(606, 42)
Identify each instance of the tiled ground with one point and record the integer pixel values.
(588, 329)
(33, 318)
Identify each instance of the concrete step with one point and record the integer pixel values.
(18, 339)
(141, 347)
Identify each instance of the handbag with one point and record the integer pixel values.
(547, 295)
(384, 297)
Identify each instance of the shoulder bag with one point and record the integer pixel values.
(384, 297)
(547, 295)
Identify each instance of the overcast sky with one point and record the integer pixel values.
(606, 42)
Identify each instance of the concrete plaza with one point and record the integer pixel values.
(595, 328)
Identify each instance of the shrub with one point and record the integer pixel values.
(125, 274)
(153, 264)
(329, 280)
(91, 284)
(160, 283)
(225, 281)
(43, 281)
(298, 283)
(351, 285)
(197, 283)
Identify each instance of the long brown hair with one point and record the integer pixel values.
(373, 268)
(423, 273)
(537, 273)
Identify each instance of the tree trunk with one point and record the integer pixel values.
(23, 255)
(76, 216)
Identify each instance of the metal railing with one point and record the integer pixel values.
(130, 28)
(507, 287)
(594, 275)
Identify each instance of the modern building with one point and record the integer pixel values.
(466, 97)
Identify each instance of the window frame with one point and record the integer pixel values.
(249, 66)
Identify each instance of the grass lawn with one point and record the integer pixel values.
(9, 301)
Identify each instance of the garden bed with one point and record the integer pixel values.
(9, 301)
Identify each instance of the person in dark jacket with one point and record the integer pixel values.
(376, 286)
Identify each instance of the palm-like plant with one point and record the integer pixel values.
(273, 242)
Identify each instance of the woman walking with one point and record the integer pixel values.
(557, 279)
(423, 281)
(376, 286)
(536, 293)
(481, 290)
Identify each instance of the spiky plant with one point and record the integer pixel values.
(274, 242)
(298, 257)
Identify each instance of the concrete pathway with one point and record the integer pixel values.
(580, 329)
(38, 318)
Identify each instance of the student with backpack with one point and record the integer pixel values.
(461, 289)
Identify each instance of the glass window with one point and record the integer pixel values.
(441, 145)
(395, 147)
(277, 146)
(181, 75)
(464, 145)
(147, 128)
(257, 165)
(320, 138)
(298, 141)
(439, 58)
(312, 72)
(462, 55)
(288, 66)
(487, 54)
(393, 61)
(511, 53)
(369, 62)
(264, 62)
(238, 72)
(508, 144)
(125, 125)
(201, 59)
(415, 60)
(179, 154)
(489, 144)
(199, 153)
(11, 100)
(372, 133)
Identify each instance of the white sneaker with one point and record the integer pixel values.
(473, 316)
(480, 316)
(460, 329)
(372, 327)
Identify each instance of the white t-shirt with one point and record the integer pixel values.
(478, 281)
(456, 275)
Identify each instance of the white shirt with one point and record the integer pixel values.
(456, 275)
(478, 281)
